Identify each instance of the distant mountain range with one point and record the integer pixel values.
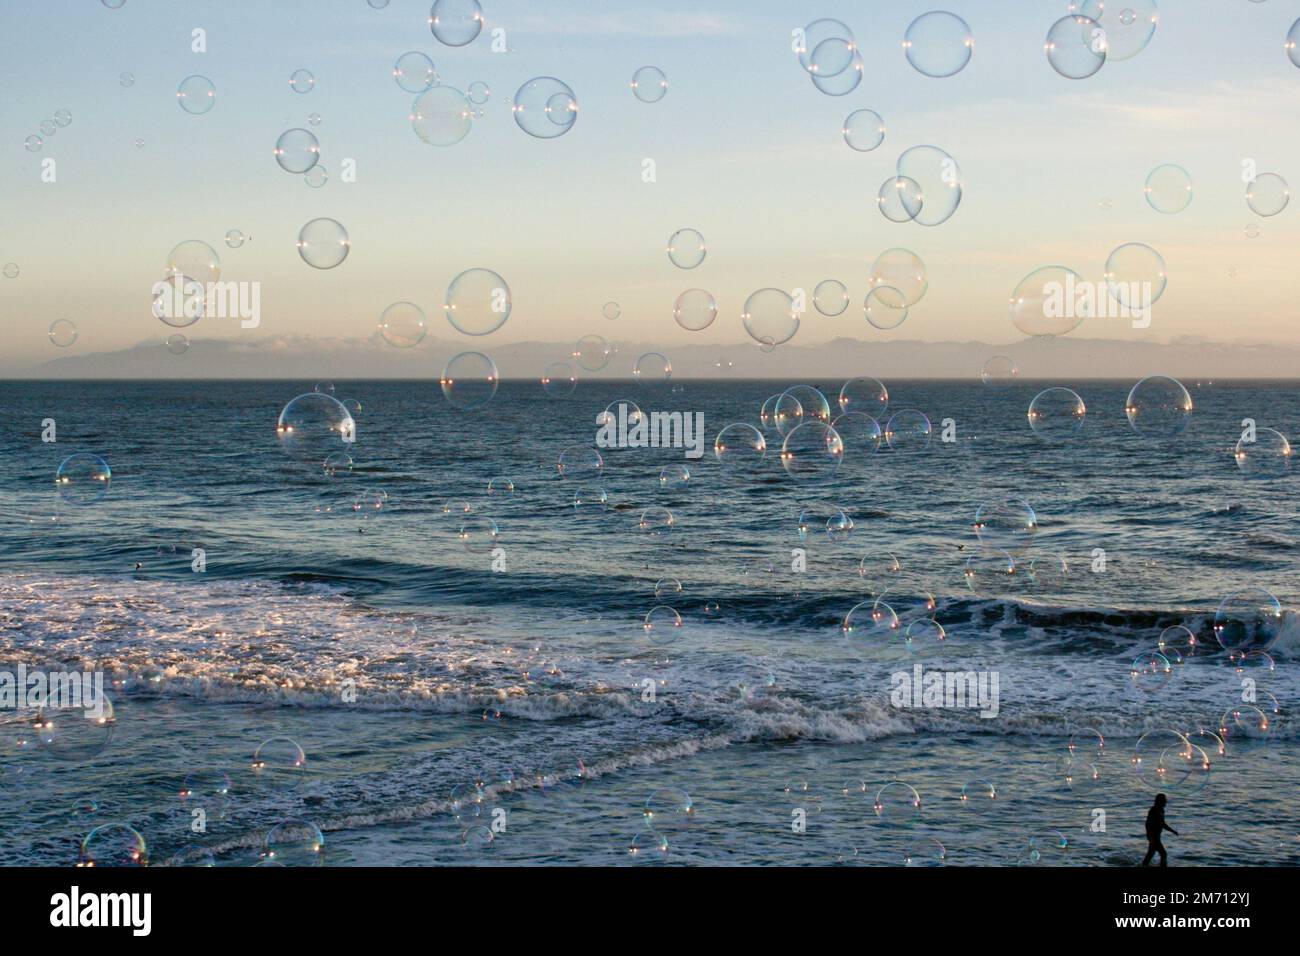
(305, 357)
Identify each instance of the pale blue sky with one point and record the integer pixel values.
(746, 150)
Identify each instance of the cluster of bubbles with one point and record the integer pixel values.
(1094, 33)
(60, 119)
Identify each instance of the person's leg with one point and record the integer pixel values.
(1151, 851)
(1164, 857)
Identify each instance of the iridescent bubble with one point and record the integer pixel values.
(1076, 47)
(767, 414)
(860, 433)
(1046, 303)
(545, 107)
(63, 332)
(938, 43)
(1158, 408)
(999, 371)
(414, 72)
(648, 845)
(294, 843)
(313, 426)
(33, 143)
(1129, 25)
(478, 302)
(844, 82)
(813, 402)
(900, 199)
(673, 476)
(812, 452)
(317, 176)
(622, 414)
(686, 248)
(656, 522)
(558, 380)
(1168, 189)
(1135, 276)
(478, 534)
(740, 448)
(325, 387)
(864, 394)
(196, 94)
(902, 271)
(206, 790)
(177, 344)
(787, 413)
(769, 317)
(195, 259)
(469, 380)
(831, 297)
(302, 81)
(441, 116)
(323, 243)
(831, 57)
(908, 430)
(456, 22)
(669, 810)
(83, 478)
(978, 796)
(939, 177)
(1266, 455)
(479, 92)
(816, 33)
(337, 463)
(590, 499)
(1150, 672)
(695, 310)
(882, 309)
(1057, 414)
(1267, 194)
(652, 368)
(580, 463)
(592, 352)
(1178, 641)
(1250, 620)
(871, 624)
(1006, 525)
(113, 844)
(403, 325)
(649, 85)
(863, 130)
(179, 301)
(989, 573)
(897, 803)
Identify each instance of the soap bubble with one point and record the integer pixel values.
(844, 82)
(11, 270)
(314, 119)
(414, 72)
(1267, 194)
(1135, 275)
(1006, 525)
(1057, 414)
(1150, 672)
(831, 297)
(313, 426)
(1158, 408)
(871, 624)
(1250, 620)
(669, 810)
(179, 301)
(1267, 456)
(441, 116)
(863, 130)
(479, 92)
(177, 344)
(673, 476)
(558, 379)
(302, 81)
(194, 259)
(62, 117)
(294, 843)
(456, 22)
(1048, 572)
(1178, 640)
(939, 177)
(740, 448)
(196, 94)
(469, 380)
(860, 433)
(83, 478)
(812, 452)
(63, 332)
(592, 352)
(695, 310)
(337, 463)
(1168, 189)
(1293, 44)
(403, 325)
(113, 844)
(317, 176)
(1044, 303)
(882, 309)
(864, 394)
(48, 127)
(611, 310)
(908, 430)
(33, 143)
(126, 80)
(478, 302)
(814, 404)
(580, 463)
(1128, 24)
(999, 371)
(900, 199)
(897, 803)
(938, 43)
(1076, 47)
(989, 573)
(787, 413)
(686, 248)
(323, 243)
(831, 57)
(817, 33)
(652, 368)
(235, 238)
(903, 272)
(649, 85)
(545, 107)
(769, 317)
(624, 409)
(478, 534)
(657, 522)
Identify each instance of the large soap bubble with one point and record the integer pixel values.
(686, 248)
(740, 448)
(1129, 25)
(414, 72)
(901, 271)
(403, 325)
(649, 85)
(456, 22)
(844, 82)
(1136, 276)
(769, 317)
(478, 302)
(441, 116)
(1057, 414)
(695, 310)
(196, 94)
(1267, 194)
(1158, 408)
(469, 380)
(939, 177)
(1045, 303)
(938, 43)
(1168, 189)
(1265, 453)
(83, 478)
(812, 452)
(297, 150)
(323, 243)
(833, 58)
(545, 107)
(314, 426)
(1076, 47)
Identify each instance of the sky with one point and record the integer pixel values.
(745, 149)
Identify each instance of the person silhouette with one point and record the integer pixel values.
(1155, 826)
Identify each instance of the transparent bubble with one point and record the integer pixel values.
(1150, 672)
(337, 463)
(590, 498)
(441, 116)
(938, 43)
(831, 297)
(235, 238)
(989, 573)
(902, 271)
(871, 624)
(414, 72)
(294, 843)
(113, 844)
(1006, 525)
(195, 259)
(177, 344)
(816, 33)
(1178, 641)
(1135, 276)
(1046, 303)
(314, 119)
(624, 410)
(669, 810)
(860, 433)
(479, 92)
(545, 107)
(999, 371)
(814, 404)
(686, 248)
(49, 128)
(558, 380)
(1165, 760)
(478, 534)
(769, 317)
(63, 332)
(323, 243)
(1168, 189)
(325, 387)
(767, 414)
(456, 22)
(1293, 44)
(1128, 24)
(1250, 620)
(478, 302)
(1076, 47)
(925, 852)
(673, 476)
(208, 790)
(812, 452)
(302, 81)
(900, 199)
(740, 448)
(863, 130)
(10, 270)
(313, 426)
(469, 380)
(908, 430)
(647, 845)
(33, 143)
(831, 57)
(649, 85)
(317, 176)
(787, 413)
(83, 478)
(657, 522)
(592, 352)
(611, 310)
(403, 325)
(1048, 572)
(978, 796)
(1268, 455)
(1158, 408)
(864, 394)
(897, 803)
(1267, 194)
(179, 301)
(1057, 414)
(196, 94)
(580, 463)
(844, 82)
(882, 309)
(62, 117)
(695, 310)
(652, 368)
(939, 177)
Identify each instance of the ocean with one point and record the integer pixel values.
(432, 656)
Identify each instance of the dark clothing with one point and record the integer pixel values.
(1155, 825)
(1154, 846)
